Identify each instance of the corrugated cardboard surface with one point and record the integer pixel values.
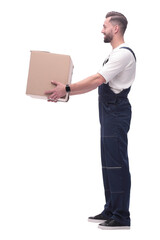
(46, 67)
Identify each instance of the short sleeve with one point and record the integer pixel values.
(116, 63)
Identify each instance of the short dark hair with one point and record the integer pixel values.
(119, 19)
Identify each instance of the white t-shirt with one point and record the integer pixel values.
(120, 69)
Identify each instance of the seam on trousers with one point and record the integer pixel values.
(112, 167)
(109, 137)
(117, 192)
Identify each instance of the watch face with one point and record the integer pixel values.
(68, 88)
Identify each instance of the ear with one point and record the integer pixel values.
(116, 29)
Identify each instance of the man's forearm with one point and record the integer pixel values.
(80, 87)
(86, 85)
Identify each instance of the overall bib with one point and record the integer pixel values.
(115, 117)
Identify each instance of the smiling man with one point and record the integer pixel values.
(114, 81)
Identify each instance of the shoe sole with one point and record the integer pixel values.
(114, 228)
(96, 220)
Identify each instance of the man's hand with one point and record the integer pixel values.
(58, 92)
(86, 85)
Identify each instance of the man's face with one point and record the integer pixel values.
(107, 30)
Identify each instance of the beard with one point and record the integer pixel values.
(108, 38)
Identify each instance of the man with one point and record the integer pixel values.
(113, 80)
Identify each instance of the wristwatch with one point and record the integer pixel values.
(68, 89)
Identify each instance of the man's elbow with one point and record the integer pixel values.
(100, 79)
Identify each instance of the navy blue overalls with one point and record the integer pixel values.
(115, 117)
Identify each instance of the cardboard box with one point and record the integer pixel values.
(44, 68)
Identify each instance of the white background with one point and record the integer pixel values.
(50, 169)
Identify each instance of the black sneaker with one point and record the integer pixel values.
(98, 218)
(112, 225)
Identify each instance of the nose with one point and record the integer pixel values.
(102, 30)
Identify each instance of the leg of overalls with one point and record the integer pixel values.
(108, 206)
(115, 122)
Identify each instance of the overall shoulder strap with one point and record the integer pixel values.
(130, 51)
